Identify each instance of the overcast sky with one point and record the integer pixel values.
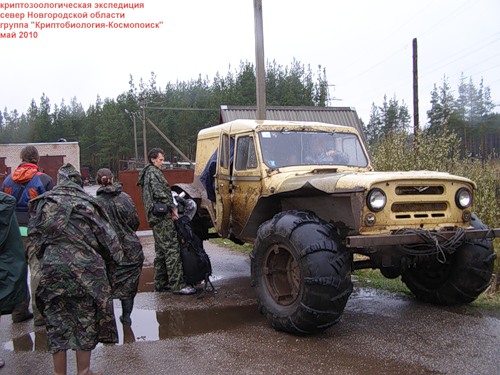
(364, 45)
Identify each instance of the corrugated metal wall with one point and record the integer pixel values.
(129, 181)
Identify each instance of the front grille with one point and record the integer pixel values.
(419, 190)
(419, 207)
(413, 210)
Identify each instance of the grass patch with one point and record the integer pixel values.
(228, 244)
(489, 301)
(374, 279)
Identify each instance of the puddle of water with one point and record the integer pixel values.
(148, 325)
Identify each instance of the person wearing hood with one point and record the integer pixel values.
(78, 251)
(125, 220)
(24, 183)
(160, 213)
(13, 271)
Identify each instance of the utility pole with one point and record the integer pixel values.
(259, 61)
(415, 98)
(135, 137)
(132, 117)
(144, 139)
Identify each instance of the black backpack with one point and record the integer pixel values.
(195, 261)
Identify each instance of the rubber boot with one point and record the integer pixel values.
(127, 306)
(21, 311)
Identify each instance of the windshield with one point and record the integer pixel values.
(288, 148)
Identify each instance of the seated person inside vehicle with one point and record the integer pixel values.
(322, 150)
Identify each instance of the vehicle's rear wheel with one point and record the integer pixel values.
(301, 272)
(461, 279)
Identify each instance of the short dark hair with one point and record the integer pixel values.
(104, 176)
(154, 152)
(29, 154)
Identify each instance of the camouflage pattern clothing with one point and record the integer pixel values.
(125, 220)
(78, 250)
(168, 273)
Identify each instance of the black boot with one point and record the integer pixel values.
(21, 312)
(127, 306)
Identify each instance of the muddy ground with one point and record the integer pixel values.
(223, 333)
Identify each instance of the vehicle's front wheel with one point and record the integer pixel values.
(461, 279)
(301, 272)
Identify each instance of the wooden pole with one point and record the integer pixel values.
(259, 61)
(415, 97)
(144, 139)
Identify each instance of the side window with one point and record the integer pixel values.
(224, 163)
(246, 158)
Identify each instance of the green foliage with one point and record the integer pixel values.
(386, 120)
(470, 115)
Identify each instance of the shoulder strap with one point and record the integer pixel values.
(20, 191)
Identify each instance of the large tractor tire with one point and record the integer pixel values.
(461, 279)
(301, 272)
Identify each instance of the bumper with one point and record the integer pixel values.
(415, 238)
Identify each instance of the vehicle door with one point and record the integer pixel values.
(223, 186)
(246, 181)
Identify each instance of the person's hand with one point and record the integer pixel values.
(329, 153)
(175, 214)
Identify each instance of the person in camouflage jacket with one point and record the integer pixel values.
(168, 272)
(124, 218)
(78, 251)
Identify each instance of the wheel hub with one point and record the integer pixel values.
(282, 275)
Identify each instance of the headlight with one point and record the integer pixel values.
(463, 198)
(376, 200)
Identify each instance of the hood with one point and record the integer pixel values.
(345, 181)
(140, 181)
(68, 173)
(24, 173)
(64, 198)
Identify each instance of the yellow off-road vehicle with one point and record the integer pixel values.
(306, 196)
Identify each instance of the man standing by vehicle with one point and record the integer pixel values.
(160, 213)
(25, 183)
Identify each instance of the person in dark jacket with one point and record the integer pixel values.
(156, 193)
(26, 182)
(78, 251)
(125, 220)
(13, 282)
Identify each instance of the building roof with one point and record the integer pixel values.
(331, 115)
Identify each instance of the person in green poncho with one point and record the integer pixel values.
(78, 251)
(123, 216)
(13, 271)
